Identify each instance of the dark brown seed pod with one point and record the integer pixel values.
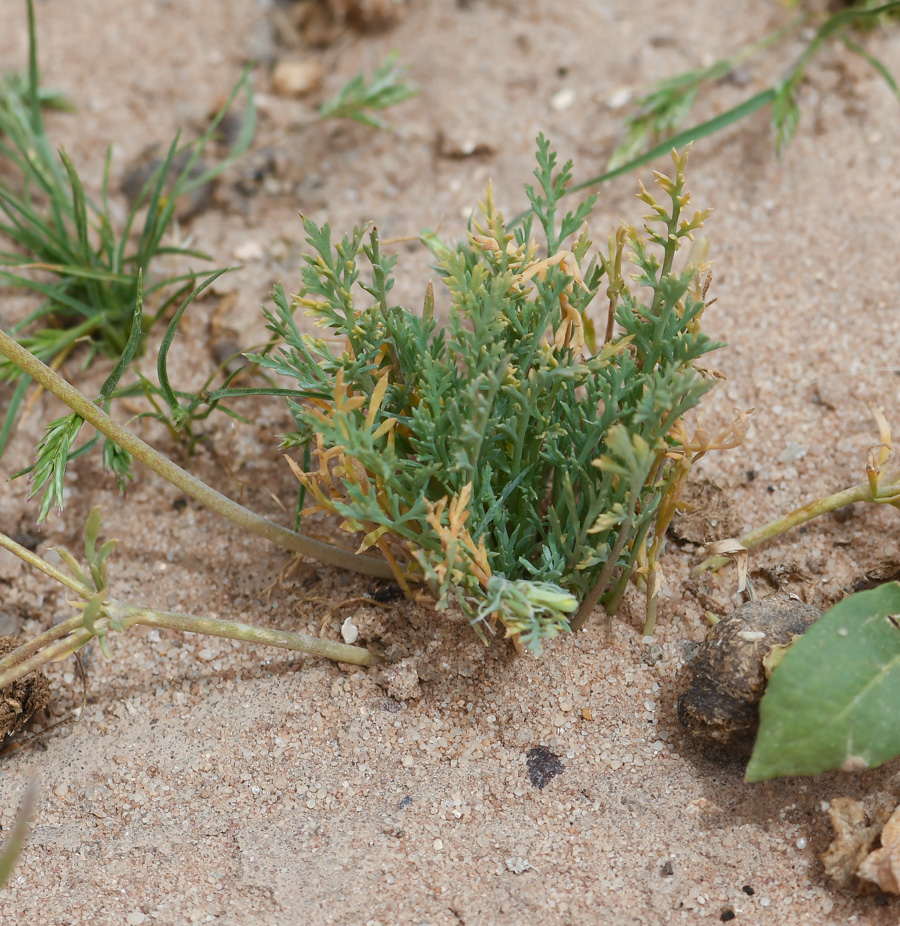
(728, 677)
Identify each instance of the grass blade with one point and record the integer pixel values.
(130, 348)
(684, 138)
(162, 363)
(16, 842)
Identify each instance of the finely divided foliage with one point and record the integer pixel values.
(506, 459)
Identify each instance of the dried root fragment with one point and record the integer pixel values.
(20, 701)
(728, 675)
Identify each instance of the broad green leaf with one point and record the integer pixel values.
(832, 702)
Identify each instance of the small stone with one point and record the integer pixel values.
(619, 98)
(11, 568)
(61, 790)
(689, 650)
(562, 100)
(438, 844)
(349, 631)
(792, 453)
(517, 865)
(587, 714)
(653, 654)
(248, 251)
(565, 706)
(408, 761)
(135, 918)
(296, 78)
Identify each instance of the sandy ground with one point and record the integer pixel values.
(209, 782)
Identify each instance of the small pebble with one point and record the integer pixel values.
(619, 98)
(296, 78)
(248, 251)
(562, 100)
(349, 631)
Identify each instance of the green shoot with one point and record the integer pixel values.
(357, 98)
(663, 109)
(882, 487)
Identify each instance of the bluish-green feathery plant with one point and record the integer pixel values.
(519, 460)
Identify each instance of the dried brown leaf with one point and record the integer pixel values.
(882, 867)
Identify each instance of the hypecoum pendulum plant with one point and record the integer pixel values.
(518, 461)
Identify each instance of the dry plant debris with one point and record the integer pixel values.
(21, 700)
(865, 852)
(705, 513)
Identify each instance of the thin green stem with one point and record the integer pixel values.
(594, 595)
(58, 649)
(247, 633)
(857, 493)
(41, 564)
(27, 650)
(681, 139)
(188, 483)
(70, 635)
